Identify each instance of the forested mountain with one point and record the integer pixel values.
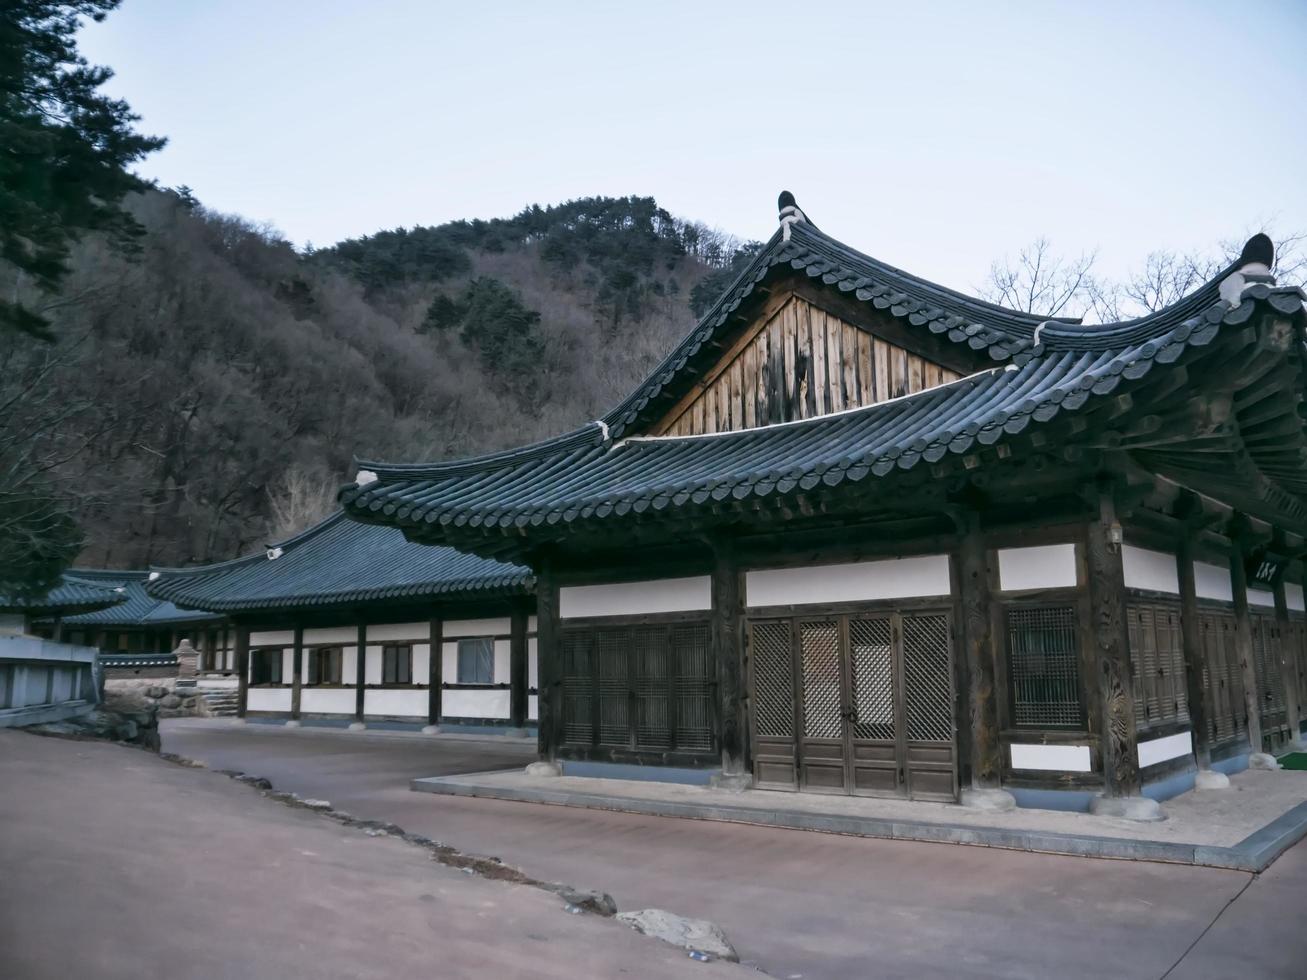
(208, 392)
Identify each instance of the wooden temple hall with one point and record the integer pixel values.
(859, 533)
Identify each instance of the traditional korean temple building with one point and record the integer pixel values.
(44, 615)
(301, 611)
(860, 533)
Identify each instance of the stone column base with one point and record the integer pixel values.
(430, 729)
(1139, 808)
(292, 723)
(357, 726)
(998, 800)
(1206, 779)
(1262, 760)
(732, 782)
(518, 733)
(544, 768)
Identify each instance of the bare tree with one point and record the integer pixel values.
(302, 497)
(1042, 282)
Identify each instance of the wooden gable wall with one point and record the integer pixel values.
(797, 363)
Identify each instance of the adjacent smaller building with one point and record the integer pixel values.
(351, 623)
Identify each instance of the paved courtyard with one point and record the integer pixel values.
(814, 905)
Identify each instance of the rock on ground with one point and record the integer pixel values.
(693, 934)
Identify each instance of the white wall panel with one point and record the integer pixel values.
(333, 700)
(334, 634)
(897, 578)
(287, 665)
(1059, 758)
(273, 638)
(533, 708)
(532, 676)
(1152, 570)
(1294, 597)
(1260, 597)
(372, 666)
(1161, 749)
(475, 704)
(395, 701)
(500, 626)
(349, 664)
(635, 598)
(268, 699)
(397, 632)
(1051, 566)
(1212, 582)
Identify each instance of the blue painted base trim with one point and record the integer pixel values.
(654, 774)
(1070, 800)
(1164, 789)
(452, 725)
(1236, 763)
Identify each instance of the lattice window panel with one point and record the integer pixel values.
(1043, 667)
(653, 687)
(613, 669)
(1222, 680)
(1157, 657)
(578, 687)
(926, 686)
(1266, 653)
(773, 680)
(872, 651)
(695, 667)
(819, 644)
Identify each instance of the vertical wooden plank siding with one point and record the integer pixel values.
(728, 643)
(297, 674)
(1287, 656)
(972, 560)
(435, 670)
(1191, 641)
(1111, 654)
(360, 670)
(1243, 645)
(549, 665)
(518, 673)
(243, 668)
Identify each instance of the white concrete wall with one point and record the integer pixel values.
(1293, 596)
(273, 638)
(287, 665)
(1054, 758)
(485, 703)
(398, 632)
(454, 628)
(330, 700)
(1154, 571)
(635, 598)
(396, 701)
(1212, 582)
(268, 699)
(896, 578)
(1163, 749)
(1261, 597)
(335, 636)
(1051, 566)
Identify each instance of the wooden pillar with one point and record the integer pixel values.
(1243, 644)
(360, 671)
(435, 671)
(1111, 653)
(57, 632)
(242, 668)
(729, 648)
(549, 666)
(1284, 649)
(297, 674)
(1191, 642)
(518, 670)
(973, 582)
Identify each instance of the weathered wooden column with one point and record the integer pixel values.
(728, 639)
(242, 655)
(518, 669)
(360, 677)
(435, 674)
(549, 665)
(296, 678)
(1191, 642)
(978, 653)
(1118, 741)
(1243, 640)
(1288, 660)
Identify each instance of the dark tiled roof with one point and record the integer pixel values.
(70, 595)
(338, 562)
(137, 608)
(1059, 370)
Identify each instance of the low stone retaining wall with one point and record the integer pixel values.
(160, 694)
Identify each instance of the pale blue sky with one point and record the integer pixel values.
(936, 136)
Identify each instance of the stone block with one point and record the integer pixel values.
(697, 935)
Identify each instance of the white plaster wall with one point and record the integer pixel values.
(634, 598)
(530, 624)
(1059, 758)
(337, 635)
(1152, 570)
(217, 683)
(475, 704)
(897, 578)
(287, 665)
(500, 626)
(1051, 566)
(1260, 597)
(421, 662)
(395, 701)
(532, 707)
(268, 699)
(398, 632)
(333, 700)
(532, 676)
(1212, 582)
(274, 638)
(1161, 749)
(1294, 597)
(349, 664)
